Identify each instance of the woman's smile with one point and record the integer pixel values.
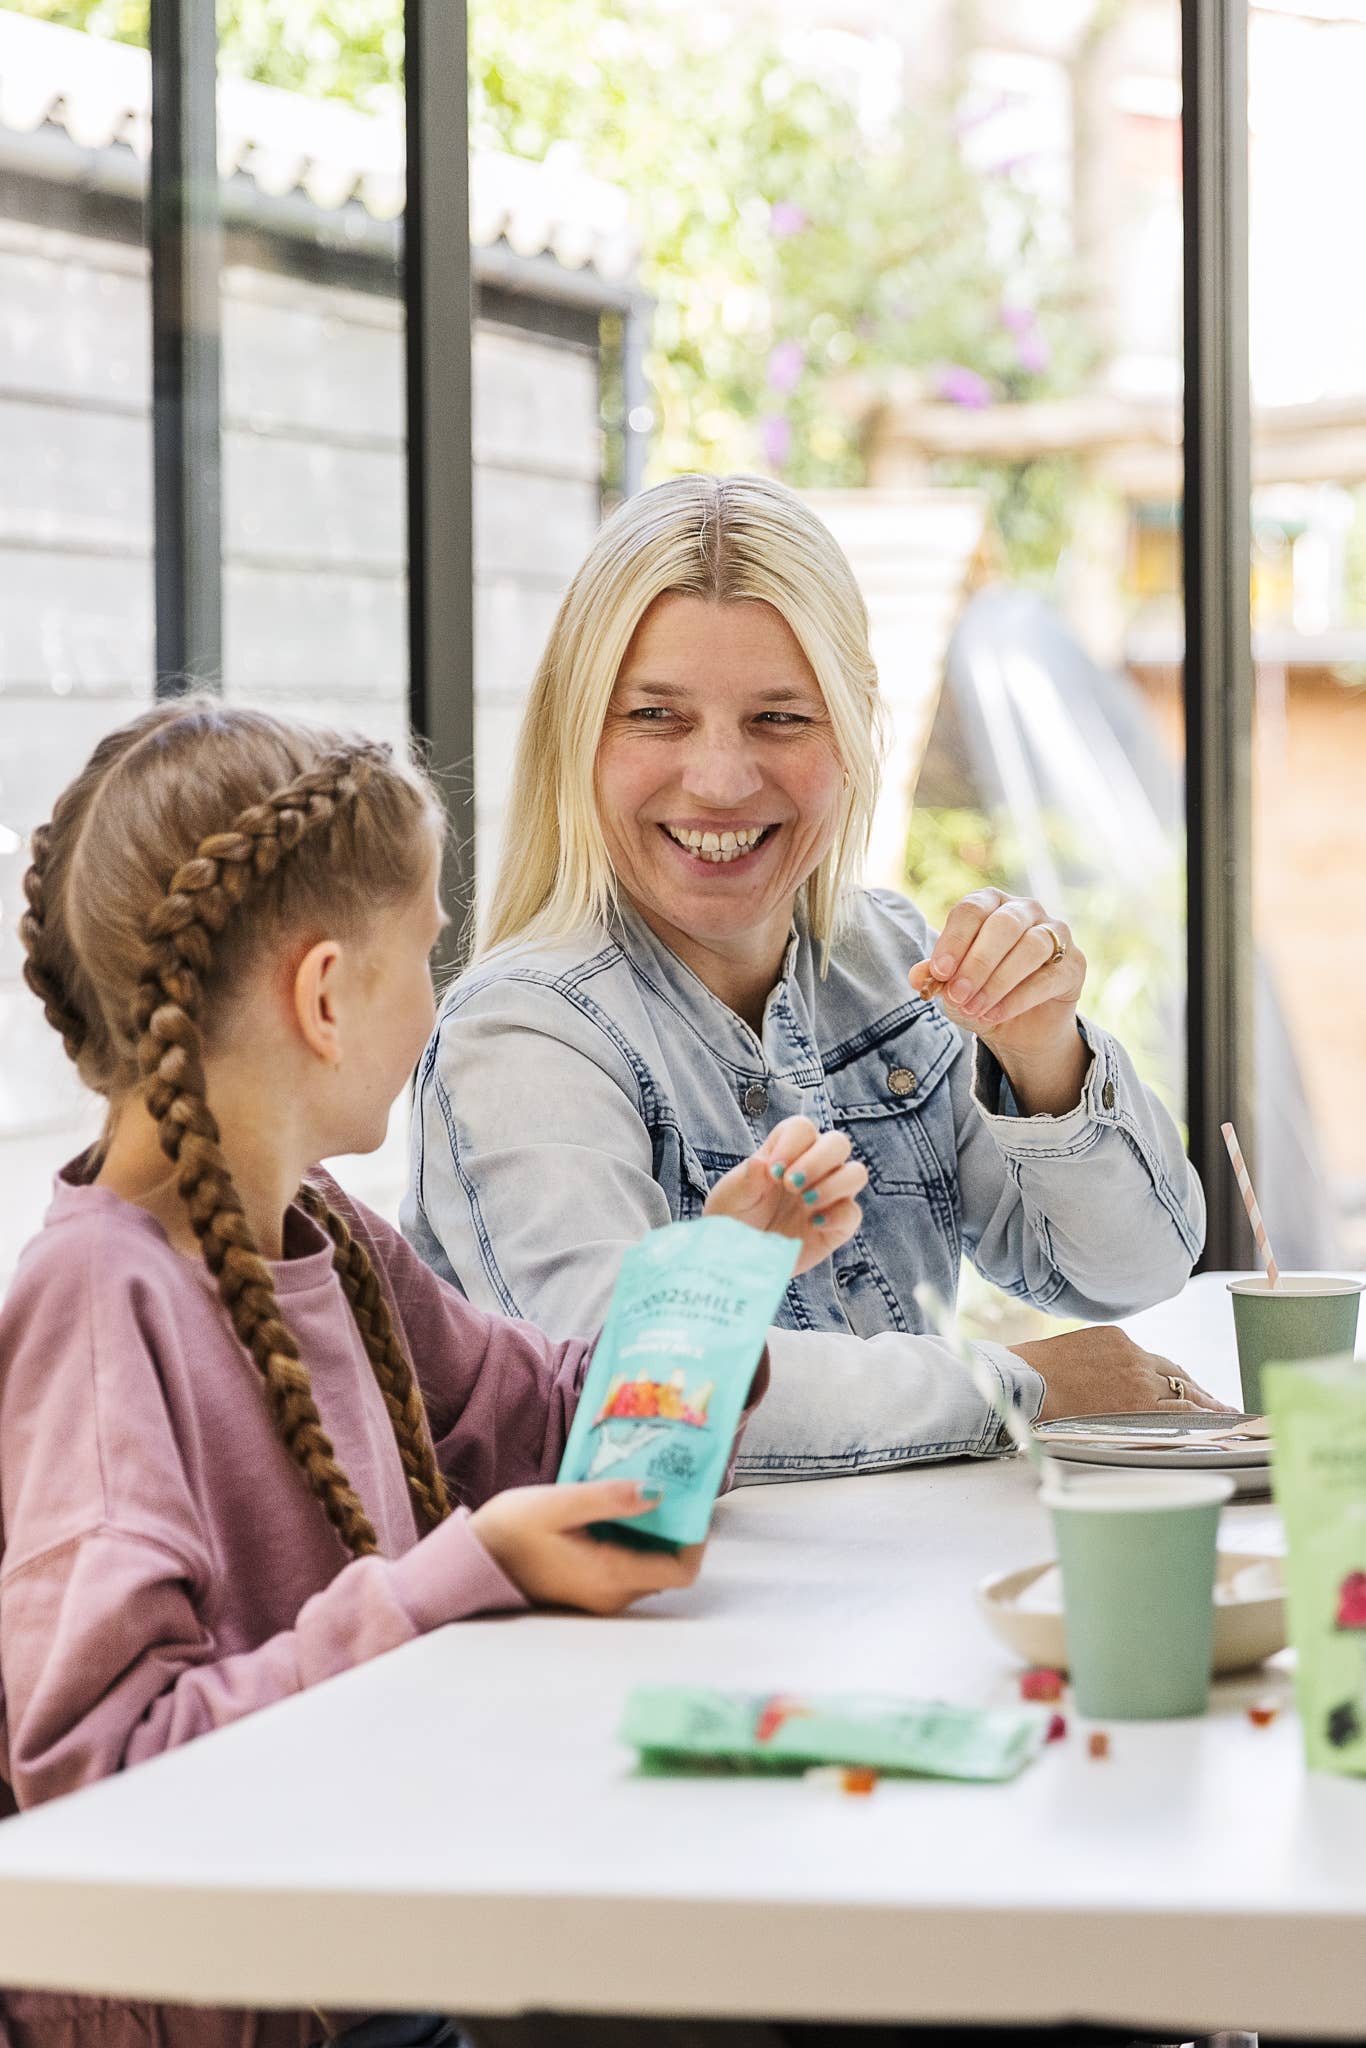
(714, 849)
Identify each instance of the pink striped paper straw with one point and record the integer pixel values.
(1254, 1214)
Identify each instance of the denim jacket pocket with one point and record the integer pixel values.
(891, 1095)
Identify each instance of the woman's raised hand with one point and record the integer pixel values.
(1004, 969)
(800, 1183)
(539, 1536)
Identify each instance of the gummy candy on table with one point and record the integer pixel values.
(1041, 1683)
(1098, 1745)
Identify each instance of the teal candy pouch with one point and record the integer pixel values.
(1318, 1465)
(668, 1380)
(682, 1728)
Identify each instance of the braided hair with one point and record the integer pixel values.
(139, 921)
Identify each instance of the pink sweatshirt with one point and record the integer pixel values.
(164, 1567)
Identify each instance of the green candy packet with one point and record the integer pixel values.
(689, 1728)
(1318, 1465)
(668, 1381)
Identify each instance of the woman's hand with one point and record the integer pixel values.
(800, 1183)
(1103, 1372)
(537, 1535)
(996, 970)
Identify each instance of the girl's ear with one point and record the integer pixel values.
(317, 1000)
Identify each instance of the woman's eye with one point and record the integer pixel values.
(782, 718)
(650, 714)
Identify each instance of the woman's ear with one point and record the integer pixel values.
(318, 982)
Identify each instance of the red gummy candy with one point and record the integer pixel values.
(1057, 1728)
(773, 1713)
(1263, 1713)
(1098, 1744)
(1041, 1684)
(859, 1780)
(1352, 1601)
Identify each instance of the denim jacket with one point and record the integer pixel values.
(572, 1098)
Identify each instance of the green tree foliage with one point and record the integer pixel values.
(803, 234)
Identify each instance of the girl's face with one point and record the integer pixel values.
(719, 786)
(385, 1012)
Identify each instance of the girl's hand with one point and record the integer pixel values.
(800, 1183)
(536, 1534)
(997, 969)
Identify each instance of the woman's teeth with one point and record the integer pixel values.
(719, 847)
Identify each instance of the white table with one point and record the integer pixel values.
(455, 1826)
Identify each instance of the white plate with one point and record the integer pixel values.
(1249, 1613)
(1155, 1438)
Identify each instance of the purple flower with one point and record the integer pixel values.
(786, 219)
(1034, 352)
(962, 386)
(775, 438)
(785, 366)
(1019, 319)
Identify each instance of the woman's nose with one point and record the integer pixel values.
(721, 771)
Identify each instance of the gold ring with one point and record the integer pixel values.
(1059, 944)
(1178, 1386)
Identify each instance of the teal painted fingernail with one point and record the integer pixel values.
(796, 1180)
(820, 1221)
(653, 1494)
(778, 1171)
(811, 1195)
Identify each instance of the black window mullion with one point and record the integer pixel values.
(1218, 641)
(185, 243)
(438, 306)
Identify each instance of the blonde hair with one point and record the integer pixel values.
(730, 540)
(194, 838)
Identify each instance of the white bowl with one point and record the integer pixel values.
(1249, 1622)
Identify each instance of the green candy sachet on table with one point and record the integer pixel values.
(1318, 1469)
(668, 1382)
(690, 1728)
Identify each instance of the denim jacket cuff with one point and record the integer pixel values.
(1076, 1130)
(1021, 1385)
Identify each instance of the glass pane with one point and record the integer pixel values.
(310, 110)
(1308, 343)
(1048, 400)
(75, 507)
(927, 267)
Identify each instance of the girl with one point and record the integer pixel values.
(247, 1439)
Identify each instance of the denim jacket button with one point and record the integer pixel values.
(901, 1081)
(756, 1098)
(1107, 1094)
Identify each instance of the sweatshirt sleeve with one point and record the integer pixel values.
(112, 1642)
(107, 1658)
(500, 1394)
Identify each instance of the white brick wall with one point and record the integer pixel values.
(314, 598)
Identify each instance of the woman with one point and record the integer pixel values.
(676, 958)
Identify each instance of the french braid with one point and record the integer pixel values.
(40, 968)
(393, 1371)
(201, 897)
(50, 968)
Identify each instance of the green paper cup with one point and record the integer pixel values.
(1137, 1558)
(1306, 1315)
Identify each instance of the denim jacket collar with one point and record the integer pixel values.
(785, 1044)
